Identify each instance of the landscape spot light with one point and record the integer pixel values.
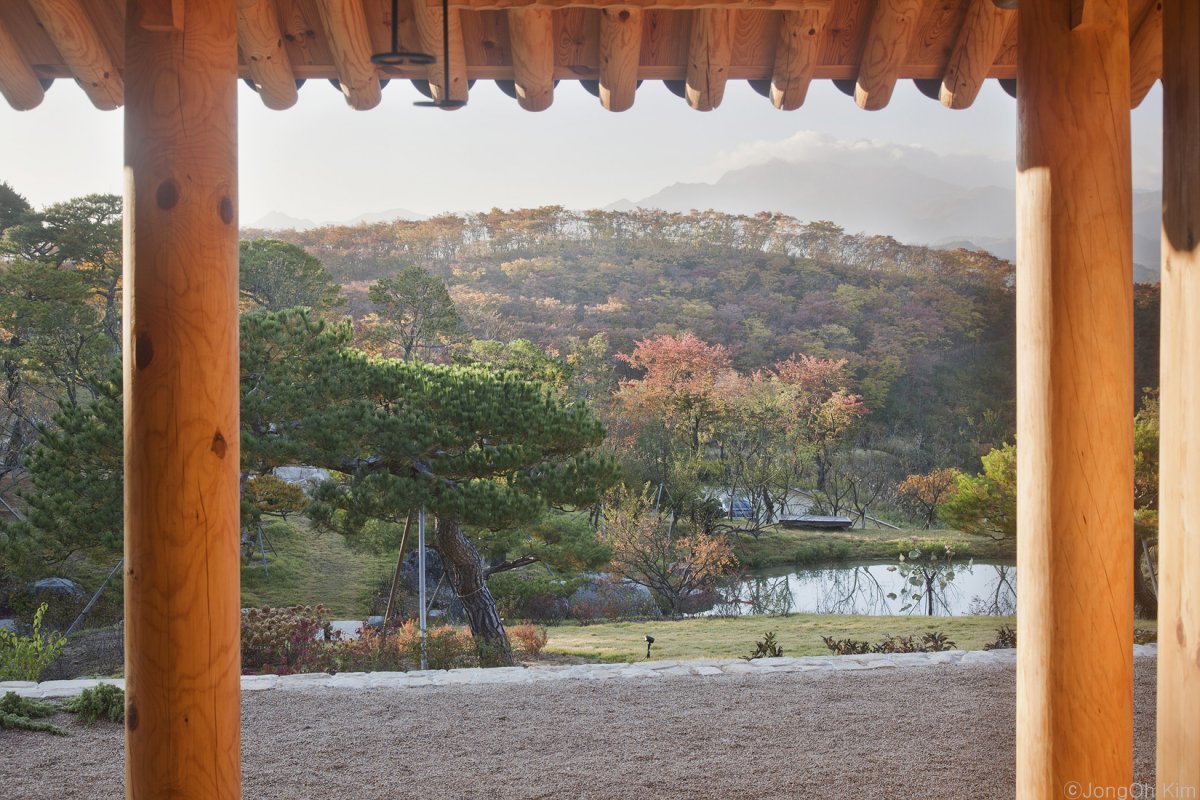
(649, 641)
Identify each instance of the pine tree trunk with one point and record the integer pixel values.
(464, 568)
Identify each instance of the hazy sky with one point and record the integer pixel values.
(322, 160)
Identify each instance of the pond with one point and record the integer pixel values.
(872, 589)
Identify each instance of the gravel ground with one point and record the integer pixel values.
(920, 732)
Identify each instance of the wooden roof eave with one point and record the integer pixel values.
(781, 45)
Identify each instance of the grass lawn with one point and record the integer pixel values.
(311, 568)
(729, 637)
(780, 547)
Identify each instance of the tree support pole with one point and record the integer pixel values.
(1179, 446)
(181, 400)
(1075, 399)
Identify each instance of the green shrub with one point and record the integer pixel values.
(538, 598)
(1006, 639)
(767, 648)
(24, 658)
(100, 702)
(19, 713)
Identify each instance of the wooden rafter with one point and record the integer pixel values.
(796, 55)
(982, 36)
(620, 51)
(18, 83)
(531, 33)
(1146, 53)
(350, 44)
(709, 53)
(71, 30)
(887, 45)
(429, 28)
(261, 43)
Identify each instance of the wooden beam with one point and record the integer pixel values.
(429, 28)
(796, 54)
(261, 43)
(886, 47)
(982, 36)
(71, 30)
(1074, 406)
(162, 15)
(620, 54)
(1179, 447)
(18, 83)
(182, 566)
(531, 34)
(1091, 14)
(710, 50)
(349, 42)
(1146, 53)
(645, 5)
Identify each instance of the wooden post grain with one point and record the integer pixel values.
(182, 659)
(1075, 404)
(1179, 447)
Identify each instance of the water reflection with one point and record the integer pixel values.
(874, 589)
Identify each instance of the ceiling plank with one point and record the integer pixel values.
(261, 43)
(800, 35)
(984, 31)
(1146, 53)
(887, 45)
(620, 54)
(531, 34)
(665, 5)
(70, 28)
(349, 42)
(18, 83)
(710, 50)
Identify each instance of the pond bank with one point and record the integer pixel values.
(782, 547)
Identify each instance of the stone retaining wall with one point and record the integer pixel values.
(649, 670)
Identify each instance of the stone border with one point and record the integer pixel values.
(584, 672)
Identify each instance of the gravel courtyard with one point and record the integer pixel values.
(943, 731)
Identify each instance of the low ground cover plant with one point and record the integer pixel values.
(99, 702)
(767, 648)
(931, 642)
(22, 713)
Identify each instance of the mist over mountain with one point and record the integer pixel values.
(278, 221)
(909, 193)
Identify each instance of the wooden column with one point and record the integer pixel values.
(1179, 447)
(1075, 401)
(181, 402)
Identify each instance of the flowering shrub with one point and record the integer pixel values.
(285, 640)
(528, 639)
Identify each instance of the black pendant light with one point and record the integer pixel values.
(397, 57)
(444, 101)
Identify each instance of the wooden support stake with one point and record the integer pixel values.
(350, 44)
(796, 53)
(18, 83)
(182, 566)
(531, 33)
(1074, 406)
(982, 36)
(1146, 53)
(620, 54)
(429, 28)
(709, 54)
(1179, 447)
(887, 46)
(70, 28)
(261, 42)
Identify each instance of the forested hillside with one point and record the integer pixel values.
(927, 334)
